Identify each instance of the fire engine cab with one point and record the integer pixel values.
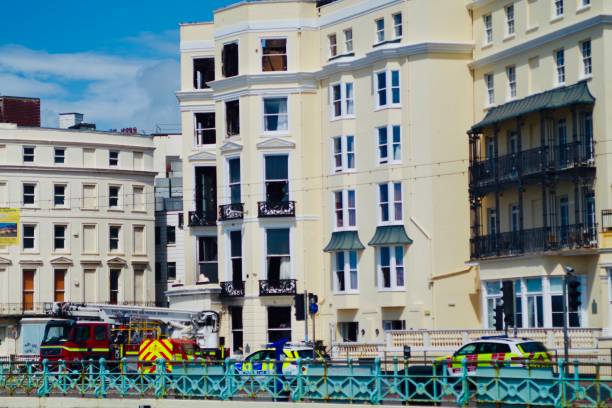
(93, 331)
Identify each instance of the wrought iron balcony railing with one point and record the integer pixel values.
(528, 163)
(202, 219)
(228, 212)
(277, 287)
(606, 220)
(232, 289)
(572, 236)
(276, 209)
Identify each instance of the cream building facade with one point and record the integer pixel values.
(540, 156)
(87, 219)
(315, 159)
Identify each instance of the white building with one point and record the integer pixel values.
(87, 219)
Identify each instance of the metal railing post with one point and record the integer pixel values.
(102, 377)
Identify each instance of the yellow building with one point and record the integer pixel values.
(539, 156)
(322, 152)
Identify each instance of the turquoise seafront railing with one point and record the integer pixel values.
(373, 382)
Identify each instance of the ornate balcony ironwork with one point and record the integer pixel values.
(228, 212)
(532, 240)
(232, 289)
(202, 219)
(277, 287)
(606, 220)
(276, 209)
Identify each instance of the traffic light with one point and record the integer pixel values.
(299, 306)
(508, 299)
(573, 293)
(312, 298)
(499, 318)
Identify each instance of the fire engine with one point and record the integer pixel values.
(144, 334)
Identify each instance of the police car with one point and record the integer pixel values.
(280, 358)
(486, 350)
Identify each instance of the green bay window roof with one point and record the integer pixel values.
(553, 99)
(390, 235)
(344, 241)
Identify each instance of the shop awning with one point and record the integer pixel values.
(555, 98)
(390, 235)
(344, 241)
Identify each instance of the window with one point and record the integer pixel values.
(234, 180)
(490, 88)
(558, 8)
(232, 117)
(90, 238)
(556, 297)
(278, 256)
(510, 28)
(114, 286)
(380, 30)
(587, 63)
(344, 208)
(275, 115)
(389, 148)
(393, 325)
(100, 333)
(390, 206)
(90, 197)
(391, 267)
(170, 234)
(203, 72)
(560, 66)
(236, 255)
(59, 237)
(29, 194)
(333, 45)
(59, 155)
(171, 270)
(208, 259)
(345, 271)
(279, 323)
(343, 153)
(397, 25)
(387, 88)
(114, 196)
(29, 236)
(349, 331)
(348, 40)
(274, 54)
(138, 198)
(205, 132)
(342, 100)
(139, 242)
(59, 195)
(113, 158)
(157, 235)
(28, 154)
(114, 236)
(229, 60)
(511, 74)
(138, 161)
(277, 178)
(487, 22)
(237, 326)
(585, 3)
(59, 288)
(28, 294)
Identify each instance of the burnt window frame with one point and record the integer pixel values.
(199, 138)
(227, 121)
(286, 54)
(204, 84)
(224, 70)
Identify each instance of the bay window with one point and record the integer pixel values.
(387, 85)
(390, 202)
(342, 100)
(275, 115)
(389, 148)
(274, 54)
(345, 271)
(391, 267)
(344, 209)
(343, 153)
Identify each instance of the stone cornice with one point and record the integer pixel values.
(51, 169)
(304, 79)
(195, 95)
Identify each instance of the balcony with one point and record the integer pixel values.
(277, 287)
(572, 236)
(606, 220)
(232, 289)
(510, 168)
(25, 308)
(229, 212)
(202, 219)
(276, 209)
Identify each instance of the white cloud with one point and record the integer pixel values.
(112, 91)
(166, 42)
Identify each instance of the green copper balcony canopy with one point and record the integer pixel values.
(553, 99)
(344, 241)
(390, 235)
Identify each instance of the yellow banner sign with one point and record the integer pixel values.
(9, 226)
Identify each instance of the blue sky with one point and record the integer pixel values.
(116, 61)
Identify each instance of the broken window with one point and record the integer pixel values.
(203, 72)
(205, 128)
(274, 54)
(229, 59)
(232, 117)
